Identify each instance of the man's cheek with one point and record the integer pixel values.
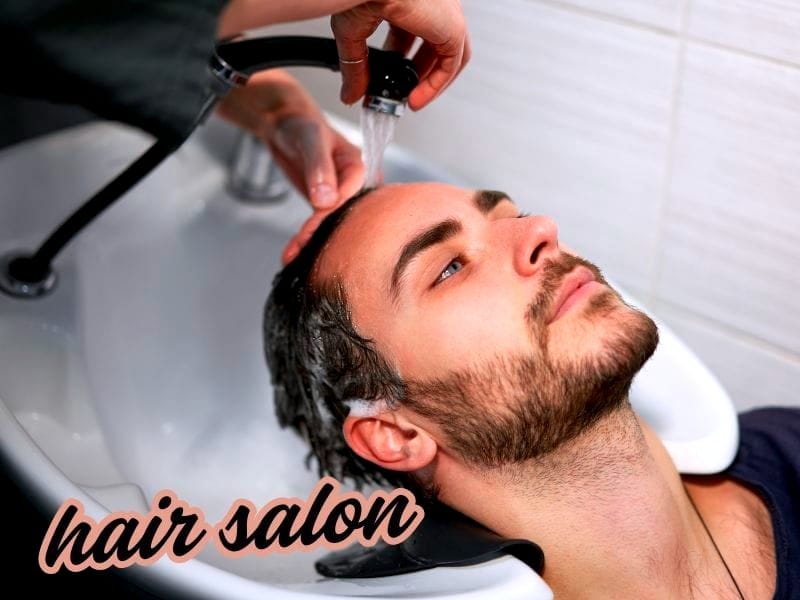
(462, 337)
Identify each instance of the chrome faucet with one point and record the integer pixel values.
(254, 176)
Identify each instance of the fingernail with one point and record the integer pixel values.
(323, 195)
(346, 96)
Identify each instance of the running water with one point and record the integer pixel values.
(377, 128)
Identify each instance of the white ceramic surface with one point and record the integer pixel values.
(144, 370)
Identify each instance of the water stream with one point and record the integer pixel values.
(378, 130)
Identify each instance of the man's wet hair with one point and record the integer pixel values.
(318, 362)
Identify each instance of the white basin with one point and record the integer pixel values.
(144, 369)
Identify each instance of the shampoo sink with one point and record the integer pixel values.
(144, 368)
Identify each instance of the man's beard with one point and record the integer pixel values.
(512, 409)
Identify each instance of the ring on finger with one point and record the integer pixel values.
(354, 62)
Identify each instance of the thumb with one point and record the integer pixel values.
(319, 169)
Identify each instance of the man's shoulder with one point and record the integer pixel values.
(769, 436)
(771, 416)
(769, 460)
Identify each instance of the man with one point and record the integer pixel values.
(487, 366)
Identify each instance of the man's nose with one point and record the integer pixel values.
(537, 241)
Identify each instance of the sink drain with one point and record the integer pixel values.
(22, 277)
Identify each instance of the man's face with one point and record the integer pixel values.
(509, 344)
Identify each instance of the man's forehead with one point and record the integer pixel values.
(410, 201)
(384, 218)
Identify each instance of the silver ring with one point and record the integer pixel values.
(354, 62)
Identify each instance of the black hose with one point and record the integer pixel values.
(37, 266)
(247, 56)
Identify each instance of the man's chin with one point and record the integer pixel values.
(630, 344)
(607, 337)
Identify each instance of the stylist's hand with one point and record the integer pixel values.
(317, 159)
(441, 57)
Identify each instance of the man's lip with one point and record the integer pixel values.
(575, 279)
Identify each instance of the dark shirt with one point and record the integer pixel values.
(142, 62)
(769, 461)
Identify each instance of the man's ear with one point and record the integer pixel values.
(390, 440)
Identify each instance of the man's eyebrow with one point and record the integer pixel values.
(430, 237)
(486, 200)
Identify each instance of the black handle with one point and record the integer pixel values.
(391, 74)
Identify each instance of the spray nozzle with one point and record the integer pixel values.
(391, 75)
(391, 79)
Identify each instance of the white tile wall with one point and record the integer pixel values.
(730, 250)
(664, 14)
(752, 373)
(767, 27)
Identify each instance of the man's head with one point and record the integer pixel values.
(452, 314)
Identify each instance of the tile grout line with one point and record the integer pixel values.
(739, 335)
(666, 183)
(566, 6)
(787, 64)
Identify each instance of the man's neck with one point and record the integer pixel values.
(610, 511)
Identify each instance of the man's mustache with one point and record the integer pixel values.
(553, 273)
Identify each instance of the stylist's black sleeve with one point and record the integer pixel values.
(142, 62)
